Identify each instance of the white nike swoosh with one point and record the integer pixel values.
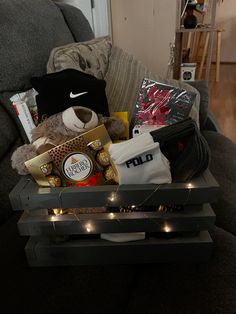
(77, 95)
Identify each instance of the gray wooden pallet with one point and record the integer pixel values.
(43, 252)
(27, 195)
(189, 219)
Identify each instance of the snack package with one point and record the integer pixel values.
(26, 108)
(81, 161)
(161, 105)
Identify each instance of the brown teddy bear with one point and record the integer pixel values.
(61, 127)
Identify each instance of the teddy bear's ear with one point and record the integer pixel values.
(114, 125)
(20, 155)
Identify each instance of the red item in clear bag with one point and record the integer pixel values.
(160, 104)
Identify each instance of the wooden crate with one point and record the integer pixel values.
(170, 236)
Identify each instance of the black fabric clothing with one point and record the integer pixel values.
(61, 90)
(184, 147)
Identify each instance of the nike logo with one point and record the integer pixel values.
(77, 95)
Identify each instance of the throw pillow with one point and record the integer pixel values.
(90, 57)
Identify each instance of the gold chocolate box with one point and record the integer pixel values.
(81, 161)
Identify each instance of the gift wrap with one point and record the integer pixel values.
(81, 161)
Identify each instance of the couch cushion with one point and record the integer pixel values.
(223, 167)
(8, 180)
(29, 31)
(189, 288)
(90, 57)
(8, 132)
(202, 87)
(76, 21)
(124, 78)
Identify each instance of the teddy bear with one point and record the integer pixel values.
(61, 127)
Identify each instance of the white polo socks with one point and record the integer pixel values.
(140, 161)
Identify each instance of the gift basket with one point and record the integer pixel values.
(87, 188)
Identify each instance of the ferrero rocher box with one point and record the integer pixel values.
(81, 161)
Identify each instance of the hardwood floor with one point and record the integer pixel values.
(222, 101)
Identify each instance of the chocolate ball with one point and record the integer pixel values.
(109, 173)
(103, 158)
(54, 181)
(95, 145)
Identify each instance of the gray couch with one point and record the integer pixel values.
(28, 31)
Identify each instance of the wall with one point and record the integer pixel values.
(84, 6)
(226, 19)
(97, 16)
(145, 29)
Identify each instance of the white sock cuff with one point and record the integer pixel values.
(123, 151)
